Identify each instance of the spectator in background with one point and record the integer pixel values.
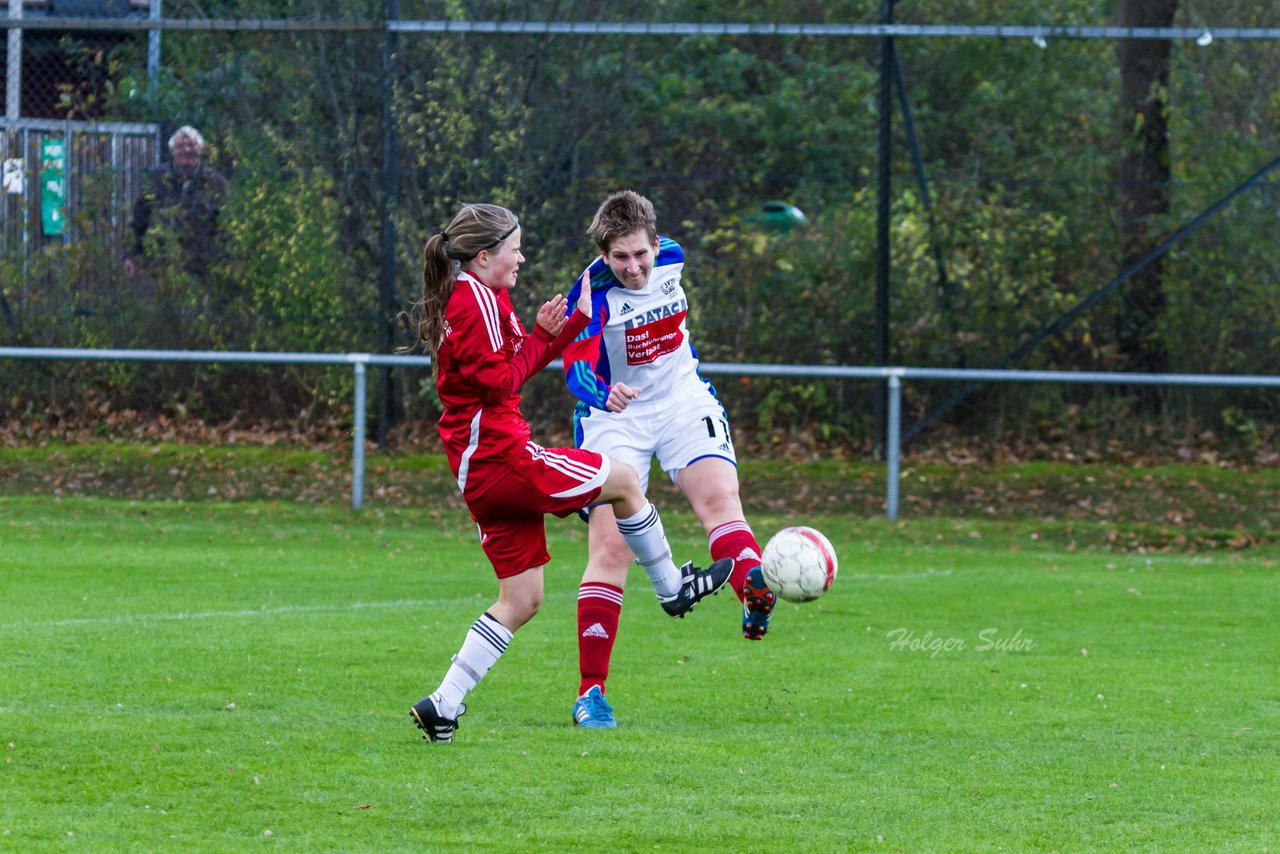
(185, 198)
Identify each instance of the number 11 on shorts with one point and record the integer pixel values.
(713, 423)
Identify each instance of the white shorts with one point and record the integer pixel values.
(678, 431)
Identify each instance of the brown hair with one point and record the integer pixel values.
(621, 214)
(475, 228)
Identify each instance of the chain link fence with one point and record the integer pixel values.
(346, 133)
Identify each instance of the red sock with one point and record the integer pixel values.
(599, 606)
(735, 540)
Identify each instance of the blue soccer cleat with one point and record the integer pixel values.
(592, 711)
(757, 605)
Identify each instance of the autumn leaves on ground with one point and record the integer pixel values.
(1203, 502)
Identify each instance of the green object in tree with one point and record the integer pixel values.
(778, 216)
(53, 187)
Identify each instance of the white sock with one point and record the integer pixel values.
(486, 640)
(647, 539)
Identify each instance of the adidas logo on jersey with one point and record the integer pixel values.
(626, 308)
(595, 630)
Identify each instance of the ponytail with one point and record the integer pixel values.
(475, 228)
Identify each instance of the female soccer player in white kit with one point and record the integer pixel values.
(635, 374)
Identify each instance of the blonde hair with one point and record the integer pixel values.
(620, 215)
(473, 229)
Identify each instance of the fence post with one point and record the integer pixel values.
(884, 226)
(893, 444)
(13, 67)
(387, 299)
(153, 42)
(357, 450)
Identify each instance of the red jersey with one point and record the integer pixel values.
(484, 358)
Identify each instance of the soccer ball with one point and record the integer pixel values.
(799, 564)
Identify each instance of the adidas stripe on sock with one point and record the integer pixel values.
(599, 606)
(485, 643)
(648, 541)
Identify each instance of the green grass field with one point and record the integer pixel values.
(222, 676)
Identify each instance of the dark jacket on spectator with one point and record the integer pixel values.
(187, 206)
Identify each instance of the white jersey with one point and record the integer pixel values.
(636, 337)
(641, 338)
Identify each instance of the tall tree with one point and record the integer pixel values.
(1144, 178)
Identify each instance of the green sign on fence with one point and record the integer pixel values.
(53, 186)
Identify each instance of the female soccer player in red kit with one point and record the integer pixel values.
(481, 357)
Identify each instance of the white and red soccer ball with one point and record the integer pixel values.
(799, 564)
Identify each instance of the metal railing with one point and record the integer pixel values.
(894, 376)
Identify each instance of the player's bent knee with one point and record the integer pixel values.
(622, 489)
(520, 597)
(617, 555)
(728, 504)
(610, 565)
(720, 505)
(529, 603)
(623, 479)
(523, 610)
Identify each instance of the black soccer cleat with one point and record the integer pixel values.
(696, 585)
(434, 726)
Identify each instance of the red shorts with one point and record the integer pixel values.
(510, 511)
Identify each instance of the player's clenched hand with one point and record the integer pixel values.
(551, 315)
(584, 298)
(619, 396)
